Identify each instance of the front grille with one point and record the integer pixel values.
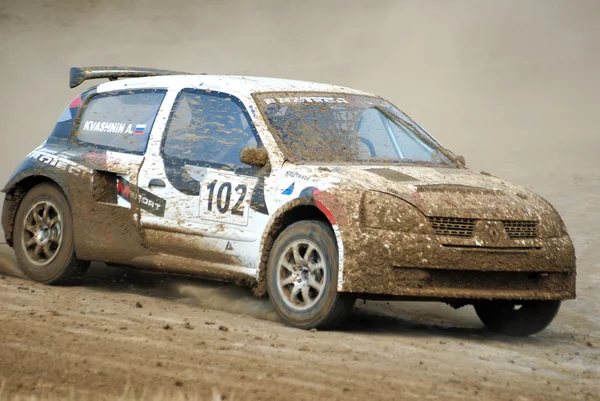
(520, 229)
(453, 226)
(459, 227)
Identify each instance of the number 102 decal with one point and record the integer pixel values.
(225, 197)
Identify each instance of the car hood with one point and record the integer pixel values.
(445, 192)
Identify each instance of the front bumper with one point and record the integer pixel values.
(379, 262)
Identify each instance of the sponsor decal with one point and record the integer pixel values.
(289, 190)
(146, 200)
(305, 99)
(300, 176)
(295, 174)
(229, 247)
(61, 163)
(113, 127)
(139, 129)
(108, 127)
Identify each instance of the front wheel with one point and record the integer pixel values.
(302, 276)
(43, 236)
(514, 318)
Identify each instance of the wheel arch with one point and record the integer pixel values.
(296, 210)
(12, 200)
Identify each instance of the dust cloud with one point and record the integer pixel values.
(8, 263)
(226, 298)
(512, 85)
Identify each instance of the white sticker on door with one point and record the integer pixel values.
(225, 197)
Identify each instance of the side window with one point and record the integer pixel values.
(374, 135)
(374, 127)
(120, 121)
(412, 148)
(209, 128)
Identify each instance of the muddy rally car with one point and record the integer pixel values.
(313, 194)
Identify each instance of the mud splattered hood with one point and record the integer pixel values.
(447, 192)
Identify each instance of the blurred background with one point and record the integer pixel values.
(504, 83)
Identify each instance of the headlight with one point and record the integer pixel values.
(386, 212)
(551, 225)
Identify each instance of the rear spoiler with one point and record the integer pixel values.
(80, 74)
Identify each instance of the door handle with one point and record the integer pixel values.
(156, 182)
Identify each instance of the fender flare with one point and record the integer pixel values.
(284, 216)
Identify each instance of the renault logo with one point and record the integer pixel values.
(494, 234)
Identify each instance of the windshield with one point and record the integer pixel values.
(342, 128)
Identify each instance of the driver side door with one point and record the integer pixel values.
(214, 204)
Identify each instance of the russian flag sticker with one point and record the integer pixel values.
(139, 129)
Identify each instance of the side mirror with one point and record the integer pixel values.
(254, 156)
(461, 160)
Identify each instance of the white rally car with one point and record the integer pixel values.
(313, 194)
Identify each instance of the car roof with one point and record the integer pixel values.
(241, 85)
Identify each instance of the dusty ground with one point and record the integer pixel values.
(512, 85)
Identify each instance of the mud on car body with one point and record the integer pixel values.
(313, 194)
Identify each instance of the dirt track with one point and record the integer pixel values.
(511, 85)
(193, 337)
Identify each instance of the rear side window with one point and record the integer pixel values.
(120, 121)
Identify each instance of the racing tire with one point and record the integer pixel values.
(514, 318)
(302, 277)
(43, 237)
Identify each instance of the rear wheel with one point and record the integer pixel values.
(514, 318)
(302, 276)
(43, 236)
